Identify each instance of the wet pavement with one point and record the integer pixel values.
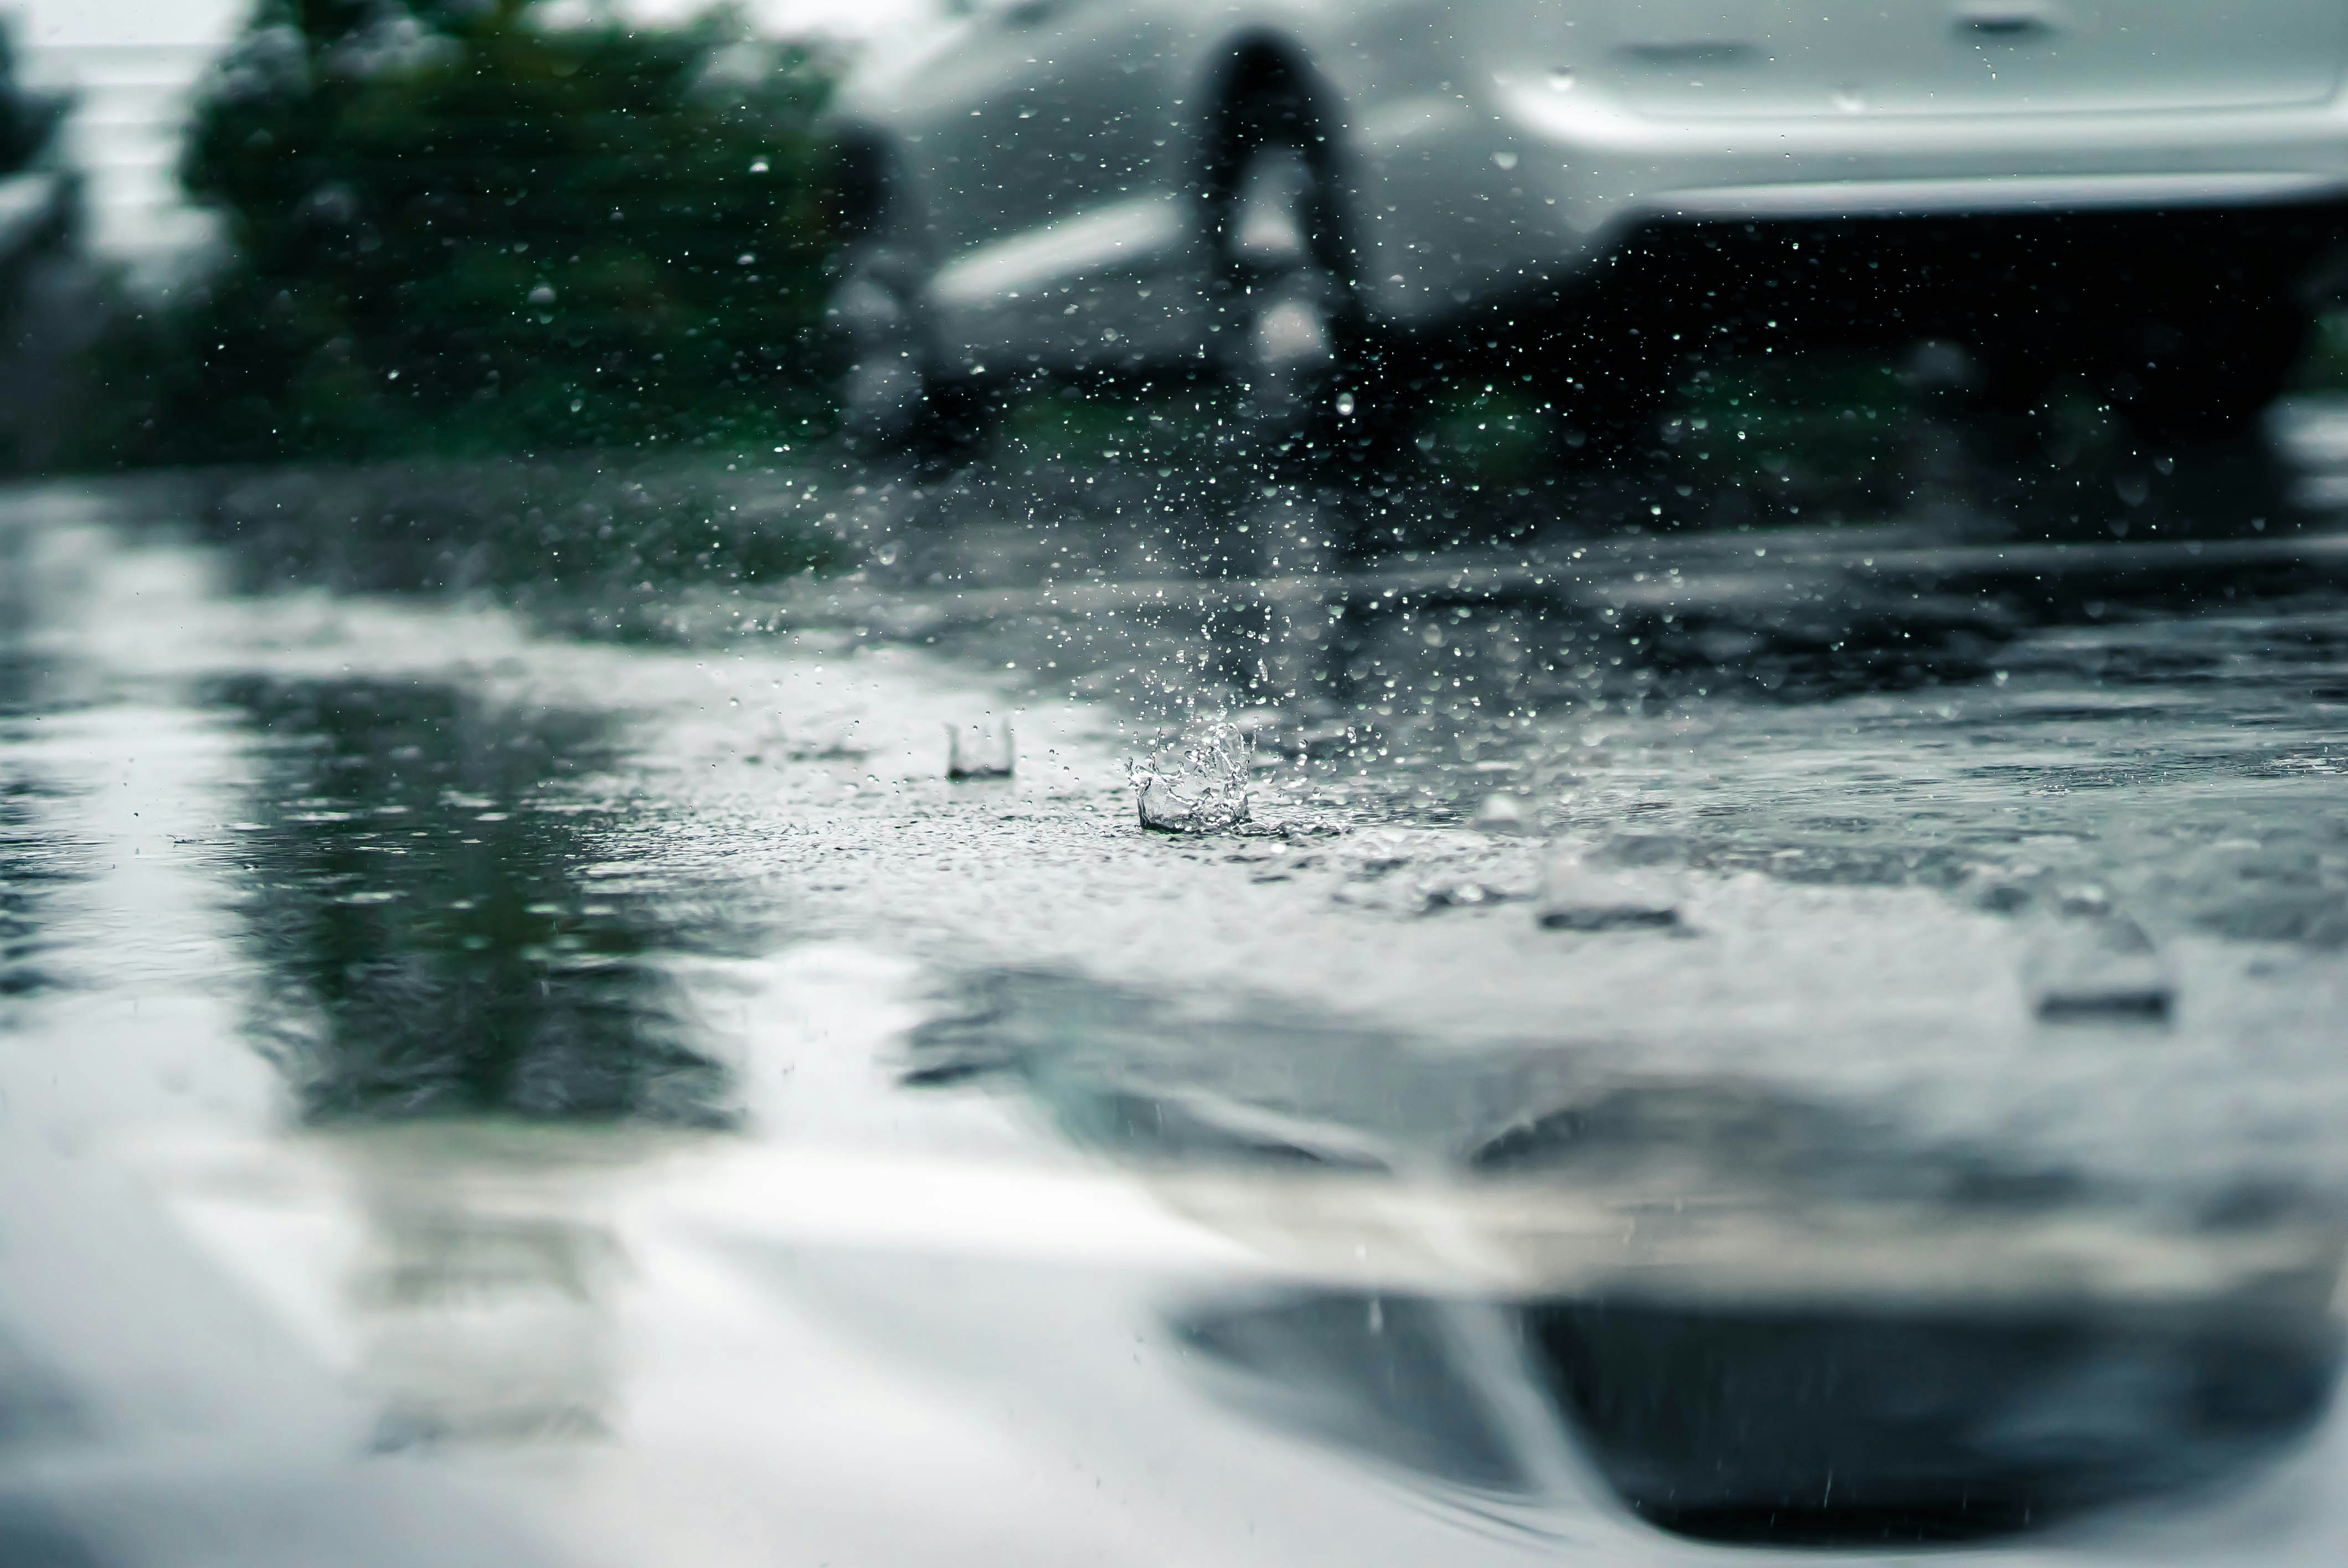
(1707, 1039)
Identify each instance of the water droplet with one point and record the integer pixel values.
(982, 749)
(2094, 963)
(1503, 814)
(1577, 896)
(1204, 789)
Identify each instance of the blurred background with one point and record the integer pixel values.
(238, 233)
(354, 231)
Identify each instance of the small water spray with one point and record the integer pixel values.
(1576, 896)
(2087, 961)
(982, 749)
(1202, 788)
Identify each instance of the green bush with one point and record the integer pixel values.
(457, 229)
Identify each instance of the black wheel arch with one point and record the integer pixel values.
(1261, 82)
(875, 198)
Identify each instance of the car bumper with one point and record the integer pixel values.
(1464, 200)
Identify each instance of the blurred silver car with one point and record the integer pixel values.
(1319, 197)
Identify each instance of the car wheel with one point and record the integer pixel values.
(892, 399)
(1289, 328)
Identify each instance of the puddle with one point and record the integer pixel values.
(630, 1088)
(1741, 1318)
(1174, 1080)
(33, 866)
(1823, 1427)
(428, 884)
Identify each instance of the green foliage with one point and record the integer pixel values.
(1494, 432)
(462, 230)
(1824, 435)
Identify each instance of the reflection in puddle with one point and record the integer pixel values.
(1238, 1079)
(1848, 1427)
(1149, 1079)
(32, 860)
(425, 896)
(1746, 1317)
(480, 1297)
(1383, 1376)
(448, 942)
(38, 1409)
(1823, 1425)
(32, 865)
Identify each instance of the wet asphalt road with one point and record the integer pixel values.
(1711, 1040)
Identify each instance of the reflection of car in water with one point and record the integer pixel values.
(1733, 1314)
(1320, 197)
(1828, 1426)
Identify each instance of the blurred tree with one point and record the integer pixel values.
(457, 227)
(47, 311)
(479, 968)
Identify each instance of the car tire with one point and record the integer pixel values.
(892, 399)
(1293, 346)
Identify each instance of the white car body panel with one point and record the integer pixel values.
(1054, 151)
